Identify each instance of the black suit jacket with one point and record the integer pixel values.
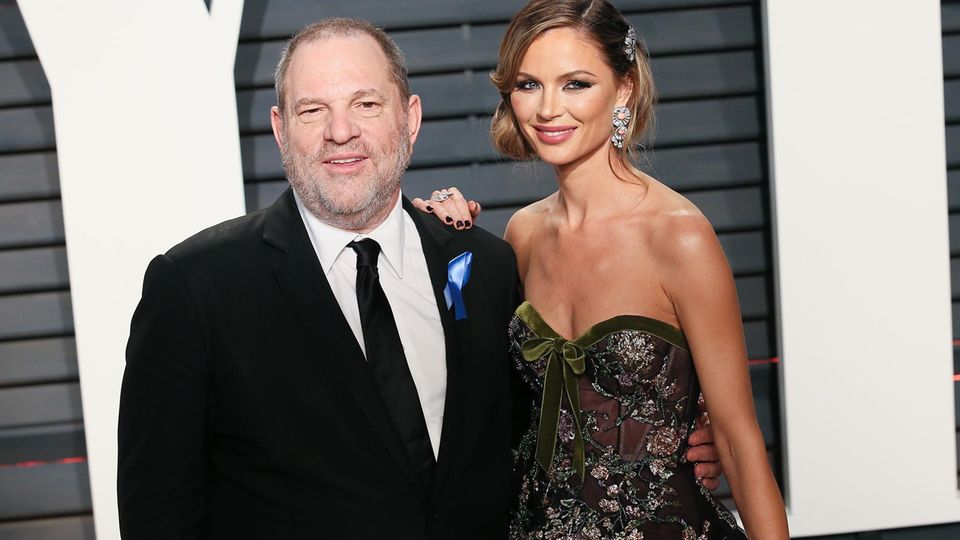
(248, 411)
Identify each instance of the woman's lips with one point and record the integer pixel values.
(554, 134)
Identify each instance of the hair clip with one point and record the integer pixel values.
(630, 44)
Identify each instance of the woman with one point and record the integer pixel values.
(631, 309)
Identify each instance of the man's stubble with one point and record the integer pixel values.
(348, 201)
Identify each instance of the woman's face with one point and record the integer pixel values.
(564, 97)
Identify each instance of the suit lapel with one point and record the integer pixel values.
(301, 278)
(438, 249)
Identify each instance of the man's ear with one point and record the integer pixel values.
(414, 117)
(276, 122)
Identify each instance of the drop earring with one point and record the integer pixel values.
(621, 119)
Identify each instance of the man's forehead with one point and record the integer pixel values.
(341, 64)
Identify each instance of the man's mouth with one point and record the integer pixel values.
(345, 162)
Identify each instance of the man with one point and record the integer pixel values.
(269, 393)
(248, 407)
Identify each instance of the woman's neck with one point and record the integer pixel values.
(592, 188)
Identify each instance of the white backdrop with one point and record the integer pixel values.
(149, 153)
(148, 149)
(855, 97)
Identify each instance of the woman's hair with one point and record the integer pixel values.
(603, 24)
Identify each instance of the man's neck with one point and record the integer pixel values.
(360, 222)
(379, 217)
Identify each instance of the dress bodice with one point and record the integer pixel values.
(637, 392)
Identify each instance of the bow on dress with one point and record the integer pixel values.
(566, 361)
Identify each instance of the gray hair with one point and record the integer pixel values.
(334, 27)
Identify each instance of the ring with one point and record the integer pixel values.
(440, 196)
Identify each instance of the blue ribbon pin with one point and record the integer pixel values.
(458, 274)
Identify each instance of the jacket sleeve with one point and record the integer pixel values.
(520, 394)
(164, 406)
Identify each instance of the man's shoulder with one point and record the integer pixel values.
(496, 255)
(476, 239)
(480, 240)
(232, 237)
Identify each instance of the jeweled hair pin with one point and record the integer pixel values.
(630, 44)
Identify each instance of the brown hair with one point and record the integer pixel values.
(339, 27)
(607, 28)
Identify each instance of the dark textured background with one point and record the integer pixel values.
(710, 144)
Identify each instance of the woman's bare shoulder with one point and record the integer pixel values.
(526, 220)
(679, 232)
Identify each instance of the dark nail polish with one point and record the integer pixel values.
(467, 223)
(459, 223)
(429, 208)
(449, 219)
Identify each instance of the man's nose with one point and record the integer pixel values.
(341, 128)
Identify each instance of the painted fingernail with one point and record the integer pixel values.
(459, 223)
(467, 223)
(429, 208)
(449, 219)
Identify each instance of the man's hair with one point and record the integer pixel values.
(339, 27)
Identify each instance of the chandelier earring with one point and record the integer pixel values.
(621, 119)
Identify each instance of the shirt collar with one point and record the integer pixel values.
(329, 241)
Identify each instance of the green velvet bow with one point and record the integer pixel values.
(565, 363)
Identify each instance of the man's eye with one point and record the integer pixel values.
(369, 109)
(310, 115)
(526, 85)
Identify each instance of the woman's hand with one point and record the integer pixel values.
(703, 452)
(450, 207)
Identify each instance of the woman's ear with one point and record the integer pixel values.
(624, 90)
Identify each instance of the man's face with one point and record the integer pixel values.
(345, 135)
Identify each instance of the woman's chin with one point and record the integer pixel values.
(557, 157)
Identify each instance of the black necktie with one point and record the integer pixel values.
(387, 361)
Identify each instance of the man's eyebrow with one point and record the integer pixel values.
(309, 101)
(368, 92)
(359, 94)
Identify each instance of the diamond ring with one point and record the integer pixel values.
(440, 196)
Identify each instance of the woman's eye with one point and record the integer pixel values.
(526, 85)
(578, 85)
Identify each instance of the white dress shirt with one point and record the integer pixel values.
(406, 283)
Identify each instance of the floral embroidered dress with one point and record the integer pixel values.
(615, 470)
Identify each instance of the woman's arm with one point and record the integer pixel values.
(698, 280)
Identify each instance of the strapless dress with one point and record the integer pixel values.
(614, 470)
